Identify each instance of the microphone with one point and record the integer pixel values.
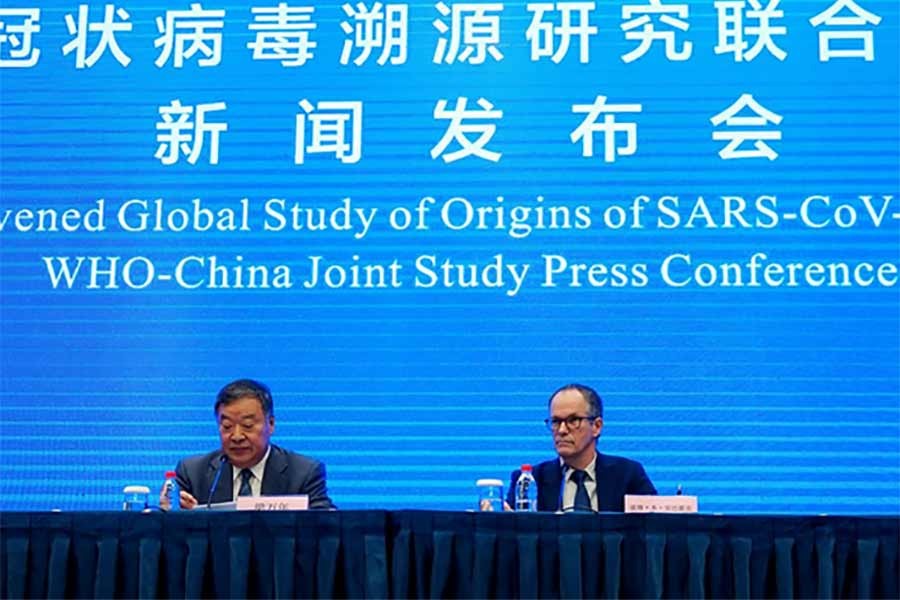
(212, 489)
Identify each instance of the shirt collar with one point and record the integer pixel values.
(591, 469)
(258, 469)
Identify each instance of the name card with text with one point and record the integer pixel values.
(299, 502)
(660, 504)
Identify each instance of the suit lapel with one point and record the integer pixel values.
(274, 481)
(549, 486)
(606, 490)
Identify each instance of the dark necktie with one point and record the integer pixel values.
(246, 490)
(582, 500)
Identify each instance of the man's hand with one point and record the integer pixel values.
(185, 500)
(485, 506)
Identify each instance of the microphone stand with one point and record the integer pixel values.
(215, 484)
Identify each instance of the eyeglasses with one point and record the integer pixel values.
(572, 422)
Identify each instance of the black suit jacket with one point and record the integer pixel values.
(615, 476)
(286, 473)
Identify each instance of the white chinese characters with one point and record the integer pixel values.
(467, 33)
(373, 28)
(735, 27)
(463, 122)
(108, 28)
(283, 34)
(760, 121)
(335, 128)
(643, 29)
(609, 128)
(474, 33)
(17, 26)
(180, 136)
(549, 40)
(184, 33)
(841, 28)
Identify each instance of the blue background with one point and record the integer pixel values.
(757, 400)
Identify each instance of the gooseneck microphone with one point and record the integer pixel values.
(212, 489)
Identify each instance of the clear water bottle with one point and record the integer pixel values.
(135, 498)
(526, 491)
(172, 491)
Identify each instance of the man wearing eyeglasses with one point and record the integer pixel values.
(582, 479)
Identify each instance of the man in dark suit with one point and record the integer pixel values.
(580, 478)
(249, 464)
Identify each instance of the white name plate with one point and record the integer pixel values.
(660, 504)
(299, 502)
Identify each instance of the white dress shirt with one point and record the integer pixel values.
(258, 471)
(570, 487)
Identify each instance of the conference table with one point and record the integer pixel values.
(428, 554)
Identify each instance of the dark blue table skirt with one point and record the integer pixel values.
(423, 554)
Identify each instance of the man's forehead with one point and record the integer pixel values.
(244, 414)
(568, 400)
(248, 406)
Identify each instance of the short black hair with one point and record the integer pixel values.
(595, 402)
(246, 388)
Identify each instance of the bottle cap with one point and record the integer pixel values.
(526, 467)
(170, 474)
(488, 483)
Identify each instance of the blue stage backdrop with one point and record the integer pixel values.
(416, 220)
